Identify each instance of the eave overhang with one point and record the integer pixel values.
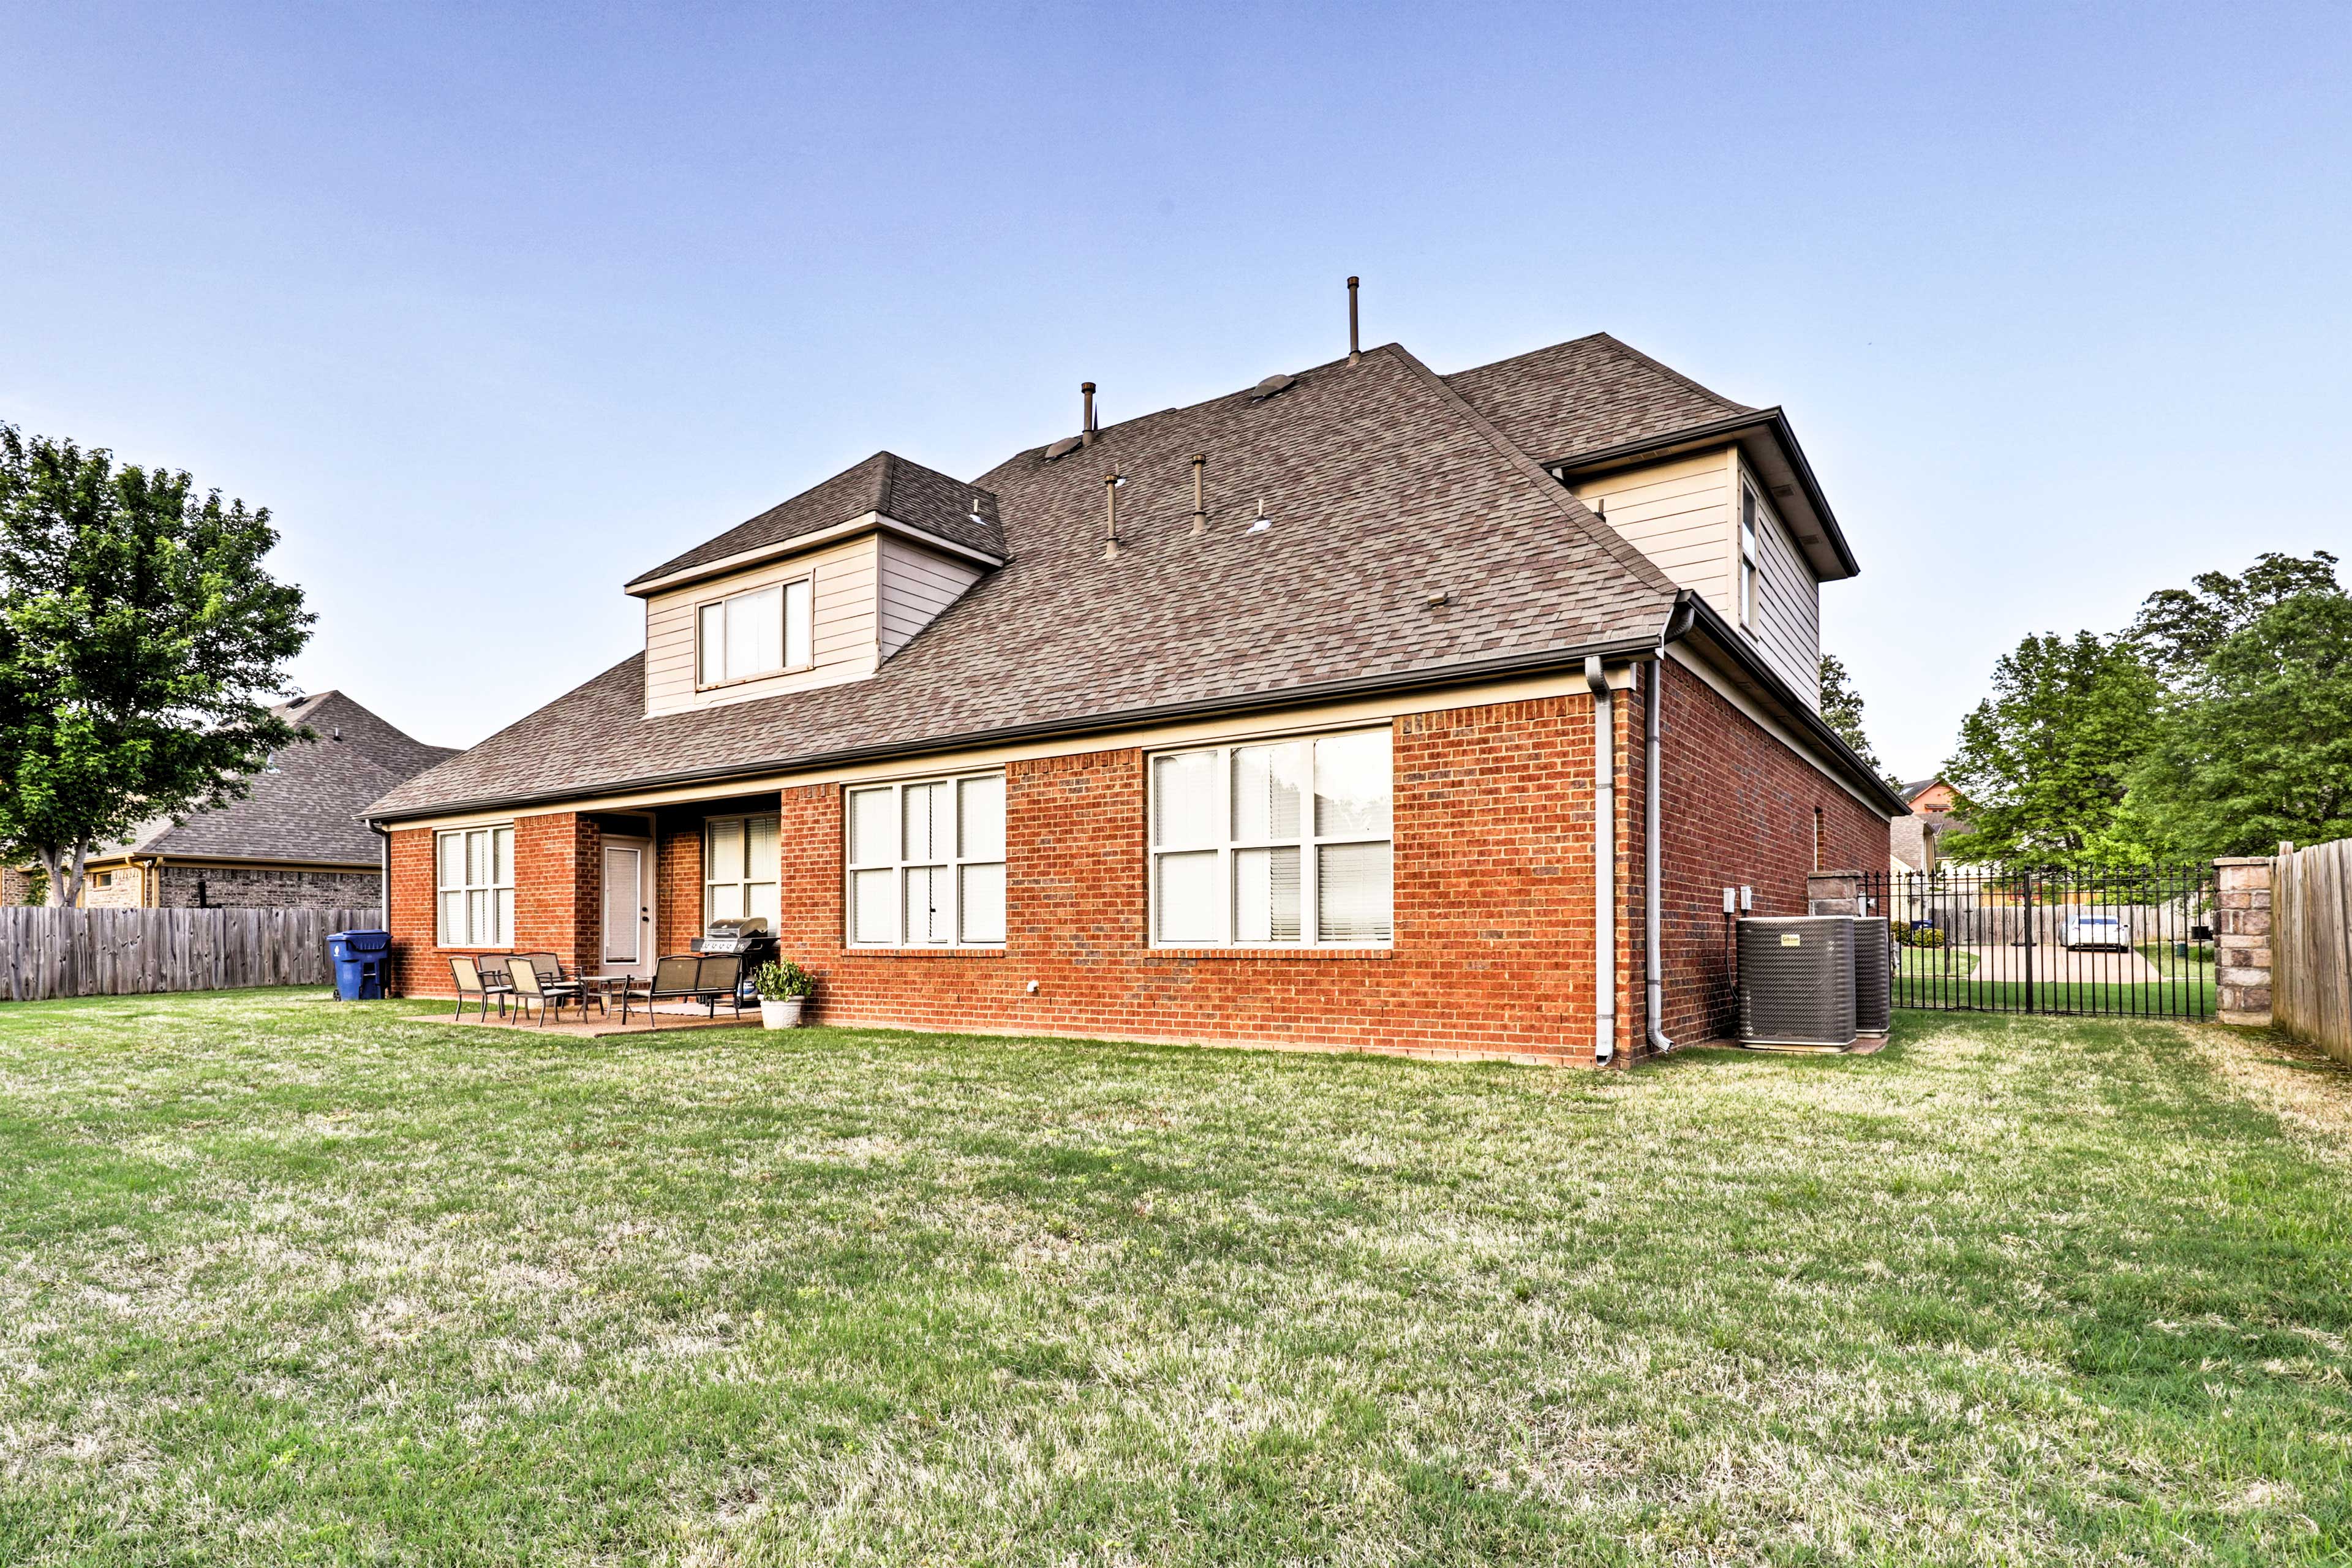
(817, 538)
(1769, 445)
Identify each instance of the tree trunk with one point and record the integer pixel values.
(64, 865)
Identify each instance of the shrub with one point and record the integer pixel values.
(781, 980)
(1920, 936)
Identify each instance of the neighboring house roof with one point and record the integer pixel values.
(887, 483)
(1408, 540)
(307, 806)
(1589, 395)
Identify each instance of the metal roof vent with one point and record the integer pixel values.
(1277, 382)
(1063, 447)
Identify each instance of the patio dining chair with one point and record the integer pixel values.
(528, 988)
(474, 984)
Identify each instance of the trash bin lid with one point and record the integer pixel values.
(363, 941)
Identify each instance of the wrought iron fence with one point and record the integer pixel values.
(2106, 941)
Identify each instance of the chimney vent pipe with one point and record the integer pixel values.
(1087, 427)
(1200, 498)
(1355, 349)
(1111, 517)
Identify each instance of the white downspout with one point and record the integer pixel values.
(1604, 862)
(1653, 962)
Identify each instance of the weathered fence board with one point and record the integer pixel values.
(2311, 946)
(46, 953)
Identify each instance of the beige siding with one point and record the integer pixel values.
(917, 584)
(1678, 514)
(846, 630)
(1789, 603)
(1683, 514)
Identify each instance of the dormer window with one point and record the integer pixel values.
(762, 632)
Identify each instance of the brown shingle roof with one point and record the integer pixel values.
(920, 497)
(1586, 395)
(307, 806)
(1382, 488)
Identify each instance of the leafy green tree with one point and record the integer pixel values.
(2178, 630)
(2042, 764)
(140, 641)
(2262, 750)
(1842, 711)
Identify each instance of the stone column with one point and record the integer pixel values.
(2242, 940)
(1833, 893)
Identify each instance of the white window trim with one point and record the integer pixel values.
(783, 587)
(1307, 842)
(744, 884)
(899, 866)
(441, 936)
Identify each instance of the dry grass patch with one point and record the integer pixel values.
(281, 1282)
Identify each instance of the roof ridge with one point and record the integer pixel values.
(890, 461)
(1629, 351)
(1602, 535)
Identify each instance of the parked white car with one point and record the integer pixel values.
(2097, 930)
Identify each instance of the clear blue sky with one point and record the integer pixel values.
(497, 309)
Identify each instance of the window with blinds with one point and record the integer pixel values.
(474, 882)
(761, 632)
(1281, 843)
(927, 863)
(739, 859)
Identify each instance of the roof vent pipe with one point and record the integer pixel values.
(1355, 351)
(1086, 425)
(1199, 495)
(1111, 517)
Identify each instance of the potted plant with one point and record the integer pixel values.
(782, 986)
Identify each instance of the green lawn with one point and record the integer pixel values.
(283, 1282)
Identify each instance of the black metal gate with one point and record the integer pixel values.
(2112, 943)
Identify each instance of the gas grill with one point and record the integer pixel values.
(748, 941)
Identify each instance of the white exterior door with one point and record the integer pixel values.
(628, 906)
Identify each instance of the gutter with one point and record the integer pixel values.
(1604, 861)
(1802, 714)
(1654, 963)
(1551, 662)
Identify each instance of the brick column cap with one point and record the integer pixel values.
(2242, 859)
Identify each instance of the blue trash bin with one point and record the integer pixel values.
(360, 957)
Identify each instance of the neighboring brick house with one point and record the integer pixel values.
(1274, 719)
(297, 840)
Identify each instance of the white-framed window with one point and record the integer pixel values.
(1749, 506)
(740, 857)
(763, 631)
(1274, 843)
(926, 862)
(473, 876)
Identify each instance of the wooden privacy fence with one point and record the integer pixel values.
(46, 953)
(2311, 946)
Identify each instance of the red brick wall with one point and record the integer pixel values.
(1494, 948)
(1736, 807)
(557, 859)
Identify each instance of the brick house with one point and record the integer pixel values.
(1316, 714)
(297, 840)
